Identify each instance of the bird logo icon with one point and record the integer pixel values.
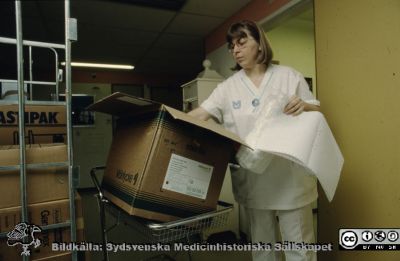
(23, 234)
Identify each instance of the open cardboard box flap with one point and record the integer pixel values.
(122, 105)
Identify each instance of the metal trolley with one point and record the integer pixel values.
(70, 30)
(182, 230)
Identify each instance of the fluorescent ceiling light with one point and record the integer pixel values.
(101, 65)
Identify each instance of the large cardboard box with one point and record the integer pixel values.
(42, 184)
(163, 164)
(43, 124)
(41, 214)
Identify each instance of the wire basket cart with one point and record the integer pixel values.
(183, 230)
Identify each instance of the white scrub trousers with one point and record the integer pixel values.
(295, 225)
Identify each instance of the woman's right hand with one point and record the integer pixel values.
(295, 106)
(200, 114)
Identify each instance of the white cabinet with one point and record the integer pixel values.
(197, 90)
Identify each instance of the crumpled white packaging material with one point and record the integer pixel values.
(256, 161)
(253, 158)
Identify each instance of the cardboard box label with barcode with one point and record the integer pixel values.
(163, 164)
(43, 124)
(188, 176)
(42, 184)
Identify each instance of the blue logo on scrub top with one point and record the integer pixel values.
(236, 104)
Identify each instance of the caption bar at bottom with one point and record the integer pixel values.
(112, 247)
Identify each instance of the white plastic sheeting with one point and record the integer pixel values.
(305, 139)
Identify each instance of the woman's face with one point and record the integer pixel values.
(245, 51)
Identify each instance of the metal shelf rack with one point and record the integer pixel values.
(70, 36)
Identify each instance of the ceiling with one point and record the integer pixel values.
(154, 39)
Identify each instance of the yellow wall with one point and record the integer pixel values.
(358, 76)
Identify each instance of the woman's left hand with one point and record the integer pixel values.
(295, 106)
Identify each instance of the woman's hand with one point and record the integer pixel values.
(295, 106)
(200, 114)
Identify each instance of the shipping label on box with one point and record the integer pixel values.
(188, 176)
(43, 124)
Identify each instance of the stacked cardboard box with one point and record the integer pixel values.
(41, 214)
(43, 124)
(47, 187)
(43, 184)
(163, 164)
(47, 196)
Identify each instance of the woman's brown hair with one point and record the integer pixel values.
(238, 31)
